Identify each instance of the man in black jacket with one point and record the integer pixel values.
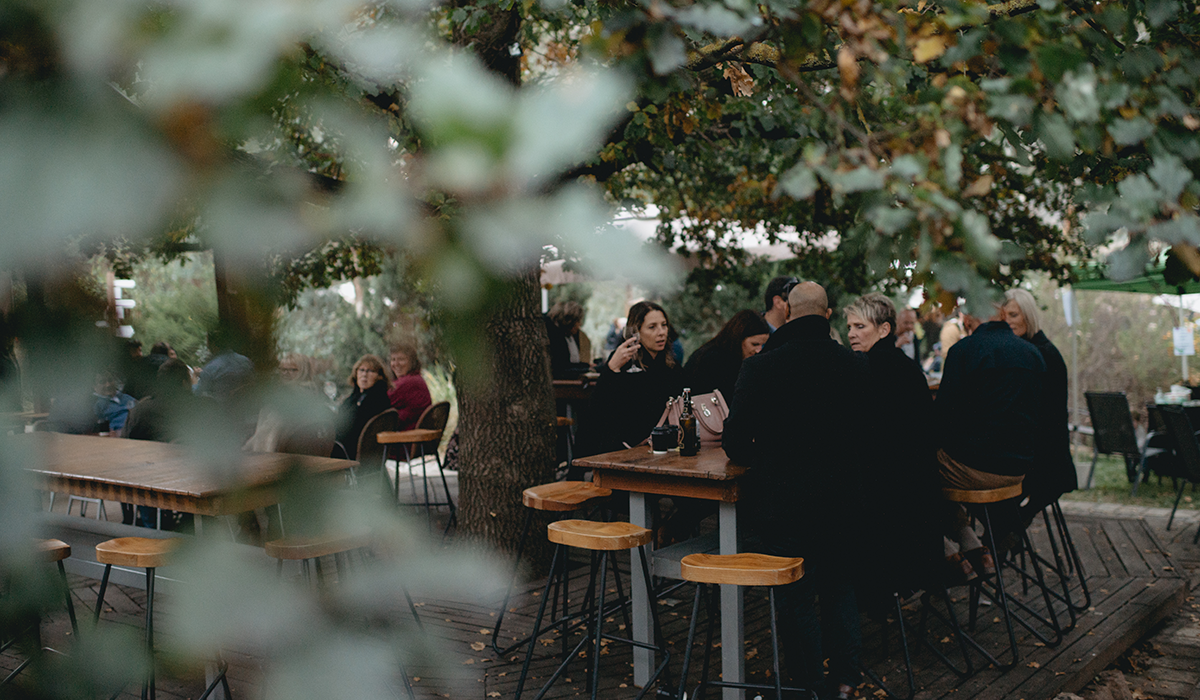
(792, 423)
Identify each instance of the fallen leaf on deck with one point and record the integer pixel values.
(468, 662)
(478, 646)
(485, 631)
(1033, 664)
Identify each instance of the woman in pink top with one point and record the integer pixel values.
(409, 395)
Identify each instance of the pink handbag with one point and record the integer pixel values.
(710, 410)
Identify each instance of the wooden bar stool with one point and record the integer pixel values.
(308, 550)
(148, 554)
(555, 497)
(603, 538)
(54, 551)
(738, 570)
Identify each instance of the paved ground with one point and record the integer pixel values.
(1166, 663)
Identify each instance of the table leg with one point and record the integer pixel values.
(733, 657)
(643, 628)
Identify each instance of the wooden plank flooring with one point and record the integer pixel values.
(1133, 583)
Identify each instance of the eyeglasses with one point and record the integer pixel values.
(788, 287)
(368, 370)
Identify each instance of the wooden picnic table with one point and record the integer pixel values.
(708, 476)
(162, 475)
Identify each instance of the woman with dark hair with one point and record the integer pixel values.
(715, 365)
(409, 395)
(368, 398)
(635, 383)
(900, 511)
(570, 349)
(1054, 470)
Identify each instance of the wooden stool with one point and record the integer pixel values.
(310, 549)
(993, 585)
(54, 551)
(739, 570)
(602, 538)
(148, 554)
(555, 497)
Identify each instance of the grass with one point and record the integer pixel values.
(1112, 486)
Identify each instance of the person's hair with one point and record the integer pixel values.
(635, 318)
(875, 308)
(172, 379)
(728, 340)
(1028, 306)
(303, 363)
(374, 363)
(565, 314)
(778, 287)
(410, 351)
(162, 347)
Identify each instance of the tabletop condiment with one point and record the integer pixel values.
(690, 439)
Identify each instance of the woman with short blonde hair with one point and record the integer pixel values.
(368, 398)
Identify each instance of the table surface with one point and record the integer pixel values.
(711, 463)
(143, 471)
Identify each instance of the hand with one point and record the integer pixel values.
(623, 354)
(904, 339)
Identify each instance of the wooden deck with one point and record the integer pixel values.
(1133, 581)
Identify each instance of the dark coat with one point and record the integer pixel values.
(900, 484)
(626, 406)
(358, 408)
(711, 368)
(1054, 472)
(989, 401)
(795, 421)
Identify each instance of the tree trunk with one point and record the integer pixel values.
(507, 423)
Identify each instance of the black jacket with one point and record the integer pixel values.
(358, 408)
(989, 401)
(626, 405)
(795, 422)
(710, 368)
(900, 483)
(1054, 472)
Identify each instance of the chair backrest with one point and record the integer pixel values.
(315, 440)
(435, 417)
(1112, 423)
(370, 452)
(1183, 437)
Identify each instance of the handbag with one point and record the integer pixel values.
(710, 411)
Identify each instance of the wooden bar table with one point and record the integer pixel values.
(709, 476)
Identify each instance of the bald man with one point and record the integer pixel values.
(791, 423)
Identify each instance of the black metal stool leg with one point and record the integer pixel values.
(691, 639)
(599, 625)
(62, 574)
(100, 597)
(149, 690)
(537, 623)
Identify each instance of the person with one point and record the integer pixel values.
(775, 300)
(987, 411)
(135, 373)
(160, 352)
(156, 417)
(293, 407)
(1054, 472)
(635, 382)
(899, 485)
(409, 395)
(792, 424)
(570, 349)
(906, 333)
(715, 365)
(227, 374)
(368, 398)
(111, 406)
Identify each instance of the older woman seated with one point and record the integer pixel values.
(368, 398)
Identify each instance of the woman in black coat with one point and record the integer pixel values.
(368, 398)
(1053, 473)
(899, 487)
(715, 365)
(634, 385)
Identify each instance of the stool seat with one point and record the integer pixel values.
(564, 422)
(586, 534)
(142, 552)
(415, 436)
(301, 548)
(53, 550)
(562, 496)
(741, 569)
(1003, 493)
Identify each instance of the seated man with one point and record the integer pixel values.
(793, 422)
(111, 407)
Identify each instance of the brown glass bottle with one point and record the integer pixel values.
(689, 439)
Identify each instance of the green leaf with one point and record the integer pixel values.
(1077, 94)
(1015, 109)
(1185, 229)
(1171, 176)
(952, 160)
(909, 167)
(1056, 59)
(1140, 62)
(1056, 137)
(1127, 132)
(888, 220)
(800, 182)
(1138, 195)
(981, 244)
(1010, 252)
(1128, 262)
(1098, 226)
(1159, 11)
(667, 54)
(715, 19)
(860, 179)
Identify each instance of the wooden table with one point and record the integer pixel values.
(709, 476)
(162, 475)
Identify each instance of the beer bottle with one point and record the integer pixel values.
(687, 427)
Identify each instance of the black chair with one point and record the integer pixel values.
(423, 442)
(1114, 433)
(1187, 449)
(370, 452)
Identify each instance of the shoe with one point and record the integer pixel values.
(959, 570)
(981, 561)
(844, 692)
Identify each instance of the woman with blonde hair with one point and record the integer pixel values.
(1053, 473)
(368, 398)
